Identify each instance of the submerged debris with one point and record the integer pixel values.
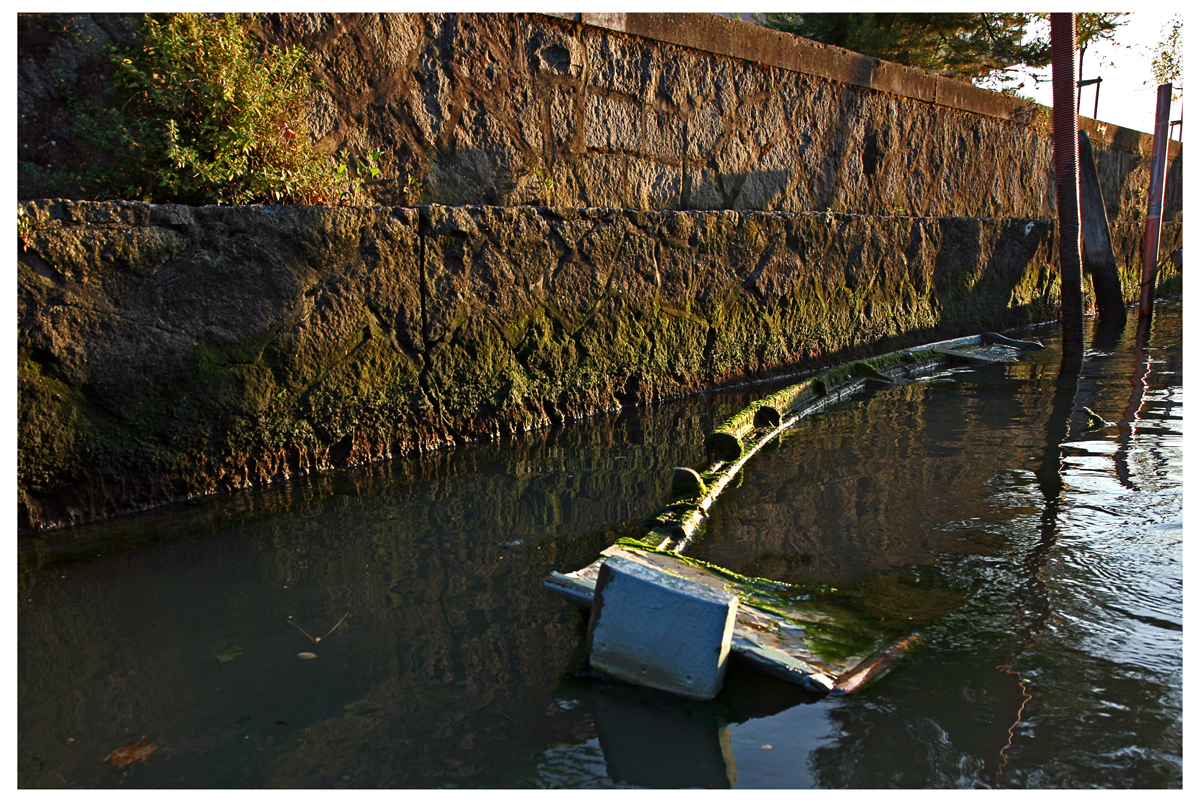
(802, 635)
(1094, 421)
(230, 652)
(134, 751)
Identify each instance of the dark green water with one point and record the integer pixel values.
(1041, 562)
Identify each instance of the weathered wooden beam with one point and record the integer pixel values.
(992, 338)
(874, 666)
(772, 641)
(779, 404)
(1066, 178)
(1098, 259)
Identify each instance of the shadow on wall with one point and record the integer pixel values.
(495, 177)
(757, 189)
(1173, 192)
(613, 171)
(498, 177)
(475, 176)
(1018, 268)
(1125, 180)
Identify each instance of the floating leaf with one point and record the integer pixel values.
(230, 652)
(132, 752)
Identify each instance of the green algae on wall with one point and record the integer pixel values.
(257, 343)
(168, 351)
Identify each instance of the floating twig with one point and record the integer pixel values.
(335, 626)
(297, 626)
(291, 620)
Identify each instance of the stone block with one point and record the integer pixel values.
(613, 124)
(654, 629)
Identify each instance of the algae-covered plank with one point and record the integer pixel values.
(782, 645)
(686, 483)
(741, 435)
(729, 441)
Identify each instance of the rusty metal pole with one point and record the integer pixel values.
(1096, 106)
(1158, 180)
(1066, 179)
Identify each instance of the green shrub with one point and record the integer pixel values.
(201, 113)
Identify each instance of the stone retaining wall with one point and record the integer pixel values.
(639, 111)
(724, 203)
(169, 351)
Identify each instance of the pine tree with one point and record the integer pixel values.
(957, 45)
(968, 46)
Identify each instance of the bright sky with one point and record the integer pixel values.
(1127, 91)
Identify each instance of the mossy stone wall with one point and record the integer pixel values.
(167, 351)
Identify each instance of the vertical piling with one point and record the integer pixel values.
(1158, 180)
(1098, 258)
(1066, 178)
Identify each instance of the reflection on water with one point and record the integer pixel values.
(1041, 560)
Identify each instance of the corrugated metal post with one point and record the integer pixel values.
(1066, 179)
(1158, 180)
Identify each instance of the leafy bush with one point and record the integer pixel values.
(201, 113)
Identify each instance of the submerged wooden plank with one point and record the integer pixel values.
(971, 355)
(779, 643)
(991, 348)
(874, 666)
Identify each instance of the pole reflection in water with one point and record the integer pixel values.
(1037, 607)
(987, 490)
